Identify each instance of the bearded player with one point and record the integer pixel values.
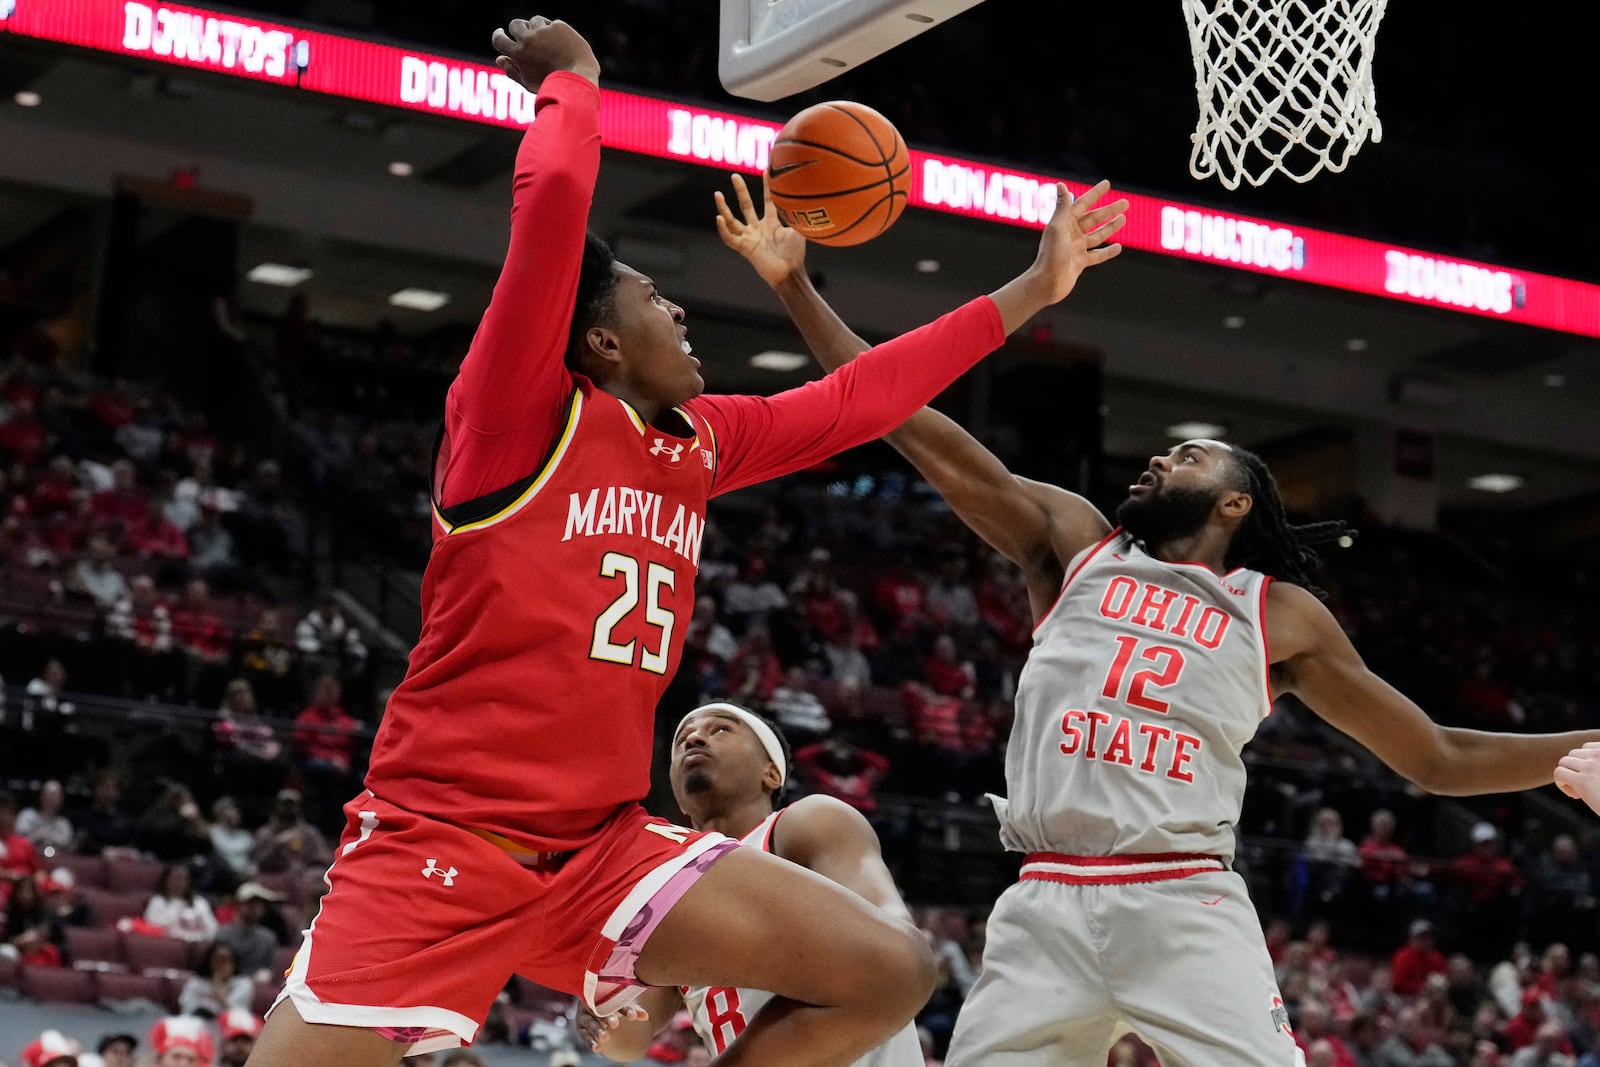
(500, 831)
(729, 771)
(1159, 646)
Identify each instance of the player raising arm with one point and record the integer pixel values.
(500, 829)
(1159, 646)
(729, 771)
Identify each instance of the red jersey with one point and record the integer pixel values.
(561, 583)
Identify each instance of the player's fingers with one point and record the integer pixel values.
(724, 213)
(635, 1013)
(746, 207)
(1092, 197)
(766, 196)
(1592, 744)
(1103, 253)
(1103, 233)
(1101, 215)
(503, 42)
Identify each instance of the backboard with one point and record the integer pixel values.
(776, 48)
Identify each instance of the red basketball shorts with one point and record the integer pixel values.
(424, 922)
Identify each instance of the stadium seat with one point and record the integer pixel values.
(88, 870)
(119, 988)
(58, 985)
(10, 973)
(130, 876)
(100, 944)
(146, 954)
(106, 906)
(265, 994)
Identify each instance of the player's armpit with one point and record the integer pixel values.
(1321, 667)
(828, 836)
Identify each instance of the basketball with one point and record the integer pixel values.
(839, 173)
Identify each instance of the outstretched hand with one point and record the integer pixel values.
(1578, 774)
(776, 251)
(531, 49)
(1076, 239)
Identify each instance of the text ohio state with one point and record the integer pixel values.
(1151, 747)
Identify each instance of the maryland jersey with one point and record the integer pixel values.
(553, 620)
(1145, 682)
(720, 1015)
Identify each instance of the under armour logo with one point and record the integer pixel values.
(448, 877)
(661, 448)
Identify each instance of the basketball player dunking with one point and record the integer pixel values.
(729, 771)
(1159, 646)
(500, 830)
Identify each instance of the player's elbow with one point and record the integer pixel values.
(1440, 767)
(907, 972)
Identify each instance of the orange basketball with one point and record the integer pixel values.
(839, 173)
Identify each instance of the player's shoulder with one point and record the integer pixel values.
(1297, 622)
(1075, 523)
(815, 822)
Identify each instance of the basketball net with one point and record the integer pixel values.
(1284, 85)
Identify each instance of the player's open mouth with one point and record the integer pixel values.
(1146, 481)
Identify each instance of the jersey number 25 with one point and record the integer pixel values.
(625, 569)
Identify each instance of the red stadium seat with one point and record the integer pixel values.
(120, 988)
(88, 870)
(10, 973)
(146, 954)
(107, 906)
(265, 994)
(131, 876)
(58, 985)
(100, 944)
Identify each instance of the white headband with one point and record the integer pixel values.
(763, 732)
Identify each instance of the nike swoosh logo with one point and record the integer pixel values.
(778, 172)
(1213, 903)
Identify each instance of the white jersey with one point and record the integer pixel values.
(720, 1015)
(1145, 682)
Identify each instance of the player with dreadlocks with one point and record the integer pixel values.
(1160, 645)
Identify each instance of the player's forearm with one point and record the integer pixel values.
(1472, 762)
(515, 364)
(831, 341)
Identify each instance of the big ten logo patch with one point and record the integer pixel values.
(1280, 1017)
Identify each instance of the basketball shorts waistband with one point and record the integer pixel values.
(1116, 870)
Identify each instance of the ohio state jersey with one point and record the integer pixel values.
(1145, 682)
(721, 1014)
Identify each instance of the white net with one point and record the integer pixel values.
(1284, 86)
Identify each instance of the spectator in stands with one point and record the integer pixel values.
(158, 543)
(240, 1027)
(1490, 889)
(1416, 960)
(27, 928)
(797, 708)
(755, 671)
(1467, 989)
(58, 496)
(19, 860)
(46, 825)
(121, 505)
(51, 1049)
(753, 596)
(212, 553)
(204, 641)
(65, 904)
(1324, 867)
(231, 843)
(1315, 1024)
(708, 645)
(246, 747)
(141, 624)
(182, 1041)
(178, 909)
(327, 643)
(1550, 1048)
(95, 576)
(42, 703)
(117, 1050)
(248, 934)
(945, 672)
(324, 738)
(1522, 1029)
(1393, 886)
(901, 595)
(288, 843)
(270, 663)
(950, 599)
(103, 827)
(216, 985)
(275, 528)
(181, 511)
(838, 768)
(1410, 1045)
(172, 829)
(992, 676)
(1562, 901)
